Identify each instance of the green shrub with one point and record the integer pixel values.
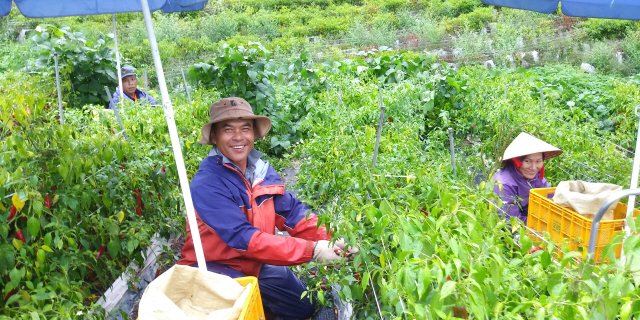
(599, 29)
(220, 27)
(453, 8)
(87, 63)
(328, 25)
(475, 20)
(631, 47)
(361, 35)
(288, 44)
(263, 24)
(426, 29)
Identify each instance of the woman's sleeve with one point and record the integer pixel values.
(509, 197)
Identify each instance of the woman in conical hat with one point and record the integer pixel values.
(523, 170)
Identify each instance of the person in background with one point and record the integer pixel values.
(523, 170)
(131, 91)
(239, 200)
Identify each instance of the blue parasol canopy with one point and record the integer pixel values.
(66, 8)
(608, 9)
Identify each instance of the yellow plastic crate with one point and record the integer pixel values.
(252, 309)
(561, 222)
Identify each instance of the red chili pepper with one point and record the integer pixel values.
(138, 197)
(194, 114)
(389, 119)
(113, 131)
(47, 201)
(23, 218)
(538, 248)
(12, 292)
(397, 185)
(54, 188)
(100, 251)
(138, 211)
(142, 206)
(424, 211)
(20, 236)
(150, 194)
(473, 126)
(162, 169)
(159, 196)
(448, 278)
(123, 166)
(157, 273)
(41, 186)
(339, 252)
(13, 212)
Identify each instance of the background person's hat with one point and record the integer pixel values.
(127, 71)
(234, 108)
(525, 144)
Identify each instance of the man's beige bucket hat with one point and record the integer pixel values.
(234, 108)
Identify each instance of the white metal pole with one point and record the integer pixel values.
(186, 86)
(115, 39)
(634, 180)
(55, 58)
(173, 134)
(146, 82)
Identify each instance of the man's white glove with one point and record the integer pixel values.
(343, 246)
(325, 252)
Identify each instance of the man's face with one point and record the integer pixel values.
(130, 83)
(235, 139)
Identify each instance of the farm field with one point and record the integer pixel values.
(79, 203)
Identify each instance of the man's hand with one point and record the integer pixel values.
(324, 252)
(349, 253)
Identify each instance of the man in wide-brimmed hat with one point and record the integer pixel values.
(130, 89)
(240, 200)
(523, 170)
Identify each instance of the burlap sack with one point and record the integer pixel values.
(184, 292)
(585, 198)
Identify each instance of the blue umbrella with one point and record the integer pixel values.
(65, 8)
(608, 9)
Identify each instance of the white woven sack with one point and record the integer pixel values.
(185, 293)
(585, 198)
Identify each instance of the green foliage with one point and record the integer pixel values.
(249, 73)
(86, 63)
(599, 29)
(453, 8)
(474, 20)
(77, 191)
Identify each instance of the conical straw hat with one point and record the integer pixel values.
(525, 144)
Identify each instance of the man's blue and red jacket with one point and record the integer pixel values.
(237, 219)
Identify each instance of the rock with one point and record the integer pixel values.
(492, 27)
(525, 64)
(619, 57)
(510, 59)
(587, 68)
(442, 54)
(457, 53)
(519, 43)
(489, 64)
(535, 56)
(22, 36)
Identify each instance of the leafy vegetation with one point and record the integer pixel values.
(86, 64)
(78, 203)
